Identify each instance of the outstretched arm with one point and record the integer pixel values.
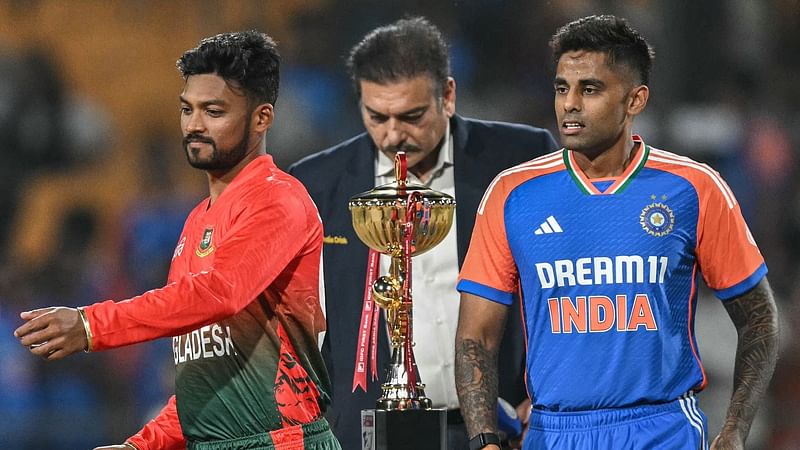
(480, 329)
(756, 319)
(258, 247)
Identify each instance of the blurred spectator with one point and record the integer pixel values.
(43, 127)
(31, 129)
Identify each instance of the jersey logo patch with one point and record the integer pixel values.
(549, 226)
(657, 219)
(206, 244)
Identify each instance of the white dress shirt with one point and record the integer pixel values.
(434, 294)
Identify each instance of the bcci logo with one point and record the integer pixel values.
(657, 219)
(206, 244)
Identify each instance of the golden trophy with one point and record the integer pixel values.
(400, 219)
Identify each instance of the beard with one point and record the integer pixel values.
(225, 159)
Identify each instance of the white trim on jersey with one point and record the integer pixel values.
(671, 158)
(542, 162)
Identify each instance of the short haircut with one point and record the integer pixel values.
(400, 51)
(607, 34)
(246, 60)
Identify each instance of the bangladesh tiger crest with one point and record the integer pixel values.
(206, 244)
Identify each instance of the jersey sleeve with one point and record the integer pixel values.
(489, 270)
(162, 433)
(260, 243)
(729, 258)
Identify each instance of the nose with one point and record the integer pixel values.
(395, 133)
(572, 100)
(193, 123)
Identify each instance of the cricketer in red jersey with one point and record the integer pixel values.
(242, 296)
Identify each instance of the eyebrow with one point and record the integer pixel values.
(410, 112)
(582, 82)
(212, 102)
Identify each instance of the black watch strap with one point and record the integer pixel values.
(483, 439)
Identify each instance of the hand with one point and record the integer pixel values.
(115, 447)
(524, 414)
(727, 441)
(52, 333)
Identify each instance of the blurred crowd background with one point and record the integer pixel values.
(94, 185)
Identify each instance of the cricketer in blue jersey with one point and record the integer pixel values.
(605, 241)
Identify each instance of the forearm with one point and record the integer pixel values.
(180, 307)
(480, 329)
(756, 320)
(476, 384)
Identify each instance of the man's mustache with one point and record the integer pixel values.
(194, 137)
(408, 148)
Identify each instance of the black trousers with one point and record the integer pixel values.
(457, 438)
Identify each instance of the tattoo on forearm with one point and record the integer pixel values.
(756, 320)
(476, 383)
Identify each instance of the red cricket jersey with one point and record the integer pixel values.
(242, 304)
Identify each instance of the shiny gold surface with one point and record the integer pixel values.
(378, 215)
(378, 218)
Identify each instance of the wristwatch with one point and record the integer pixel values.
(482, 440)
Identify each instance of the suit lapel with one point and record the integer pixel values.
(466, 167)
(361, 170)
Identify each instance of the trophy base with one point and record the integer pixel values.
(398, 396)
(417, 429)
(403, 404)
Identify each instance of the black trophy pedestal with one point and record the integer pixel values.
(411, 429)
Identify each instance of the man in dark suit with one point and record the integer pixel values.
(407, 98)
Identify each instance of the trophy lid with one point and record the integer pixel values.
(390, 193)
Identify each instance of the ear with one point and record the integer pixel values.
(637, 99)
(449, 97)
(262, 117)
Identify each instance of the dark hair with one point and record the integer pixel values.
(610, 35)
(248, 60)
(402, 50)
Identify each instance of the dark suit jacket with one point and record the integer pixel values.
(480, 151)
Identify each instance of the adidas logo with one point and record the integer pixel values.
(549, 226)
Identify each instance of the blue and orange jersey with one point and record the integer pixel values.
(608, 272)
